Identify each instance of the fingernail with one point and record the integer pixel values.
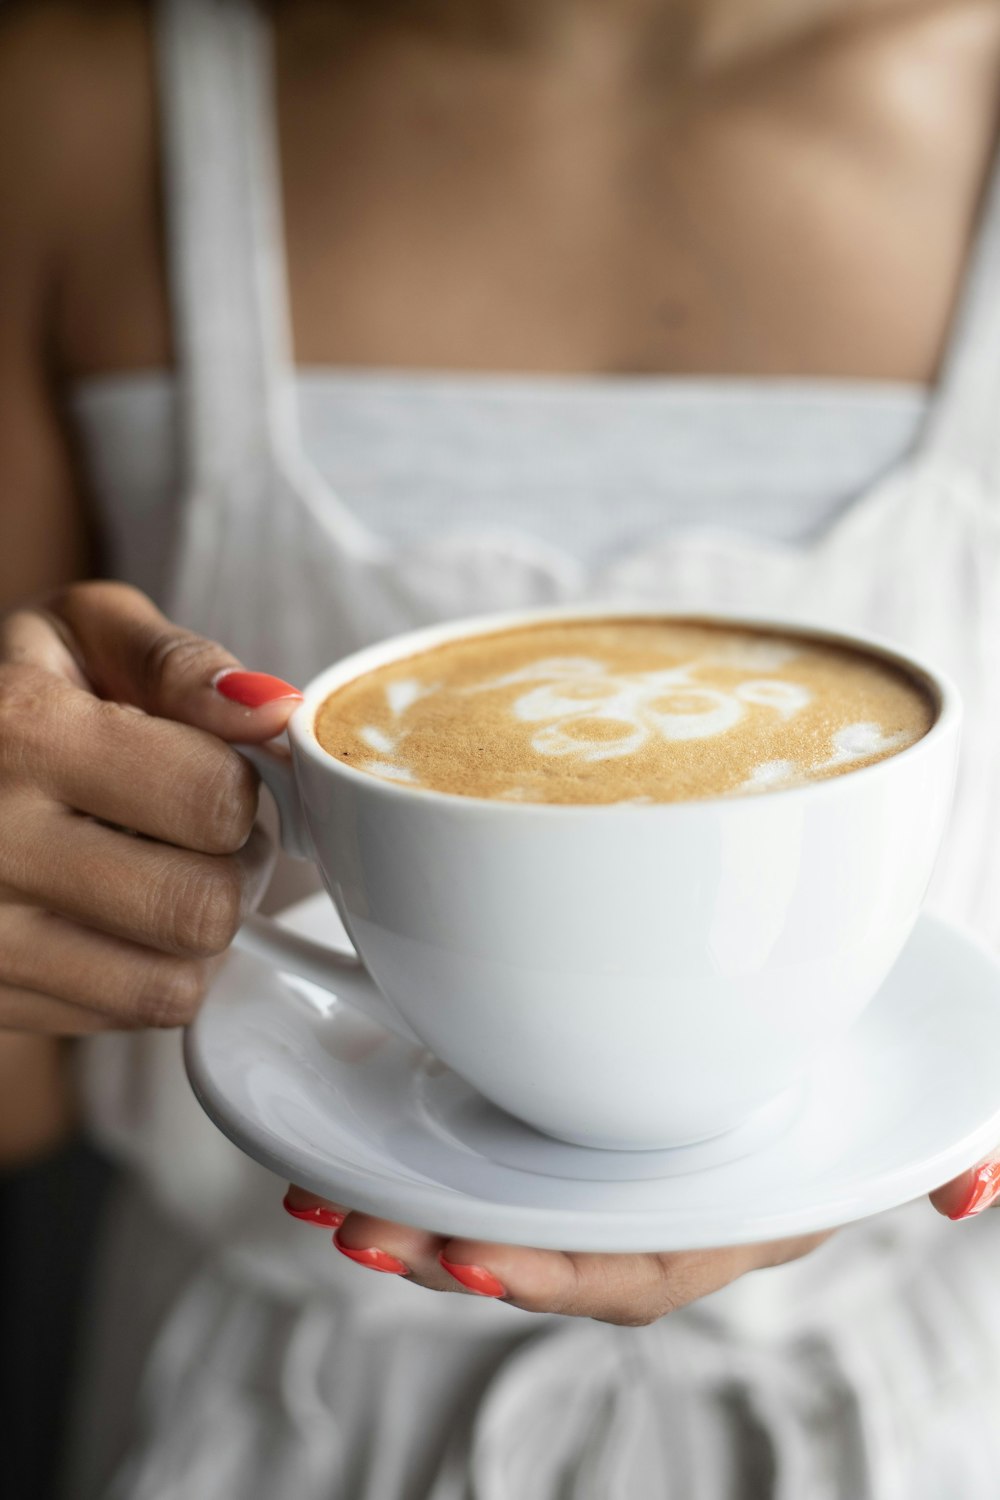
(983, 1193)
(314, 1213)
(475, 1279)
(252, 689)
(375, 1260)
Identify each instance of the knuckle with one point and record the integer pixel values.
(29, 850)
(169, 659)
(14, 679)
(79, 604)
(88, 592)
(230, 803)
(171, 996)
(43, 725)
(25, 695)
(638, 1292)
(107, 722)
(207, 909)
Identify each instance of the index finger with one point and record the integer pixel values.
(169, 781)
(110, 639)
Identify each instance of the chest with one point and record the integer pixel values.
(811, 216)
(808, 216)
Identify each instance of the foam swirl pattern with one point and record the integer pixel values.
(624, 711)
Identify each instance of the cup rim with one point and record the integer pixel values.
(302, 735)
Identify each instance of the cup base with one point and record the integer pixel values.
(452, 1108)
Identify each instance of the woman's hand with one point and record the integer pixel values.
(128, 852)
(631, 1290)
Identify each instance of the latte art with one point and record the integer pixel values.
(589, 711)
(623, 710)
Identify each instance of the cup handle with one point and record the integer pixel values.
(331, 968)
(273, 764)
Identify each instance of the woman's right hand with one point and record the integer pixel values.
(128, 850)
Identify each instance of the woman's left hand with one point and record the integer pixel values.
(631, 1290)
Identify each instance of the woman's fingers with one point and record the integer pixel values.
(630, 1290)
(174, 900)
(125, 983)
(311, 1209)
(382, 1245)
(26, 1010)
(971, 1192)
(162, 779)
(124, 650)
(378, 1244)
(129, 855)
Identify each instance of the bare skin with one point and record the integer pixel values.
(679, 187)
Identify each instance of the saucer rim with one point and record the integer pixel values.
(452, 1212)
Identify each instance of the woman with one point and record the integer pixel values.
(593, 203)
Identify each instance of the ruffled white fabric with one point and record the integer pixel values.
(877, 1380)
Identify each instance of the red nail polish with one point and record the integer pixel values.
(984, 1192)
(252, 689)
(475, 1279)
(375, 1260)
(316, 1213)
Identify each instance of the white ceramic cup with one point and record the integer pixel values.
(621, 976)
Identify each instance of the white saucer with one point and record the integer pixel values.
(326, 1099)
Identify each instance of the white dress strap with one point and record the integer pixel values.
(225, 238)
(963, 428)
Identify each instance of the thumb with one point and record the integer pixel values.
(111, 639)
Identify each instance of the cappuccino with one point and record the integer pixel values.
(609, 710)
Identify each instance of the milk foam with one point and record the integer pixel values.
(853, 745)
(665, 711)
(577, 691)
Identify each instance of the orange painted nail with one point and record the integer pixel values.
(314, 1213)
(983, 1193)
(475, 1279)
(375, 1260)
(252, 689)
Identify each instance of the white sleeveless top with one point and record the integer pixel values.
(237, 489)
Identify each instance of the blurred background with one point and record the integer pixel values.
(50, 1212)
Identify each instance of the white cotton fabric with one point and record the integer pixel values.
(590, 465)
(297, 519)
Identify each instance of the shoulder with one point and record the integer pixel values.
(75, 105)
(67, 41)
(904, 60)
(66, 63)
(78, 162)
(908, 87)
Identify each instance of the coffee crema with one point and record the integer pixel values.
(624, 710)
